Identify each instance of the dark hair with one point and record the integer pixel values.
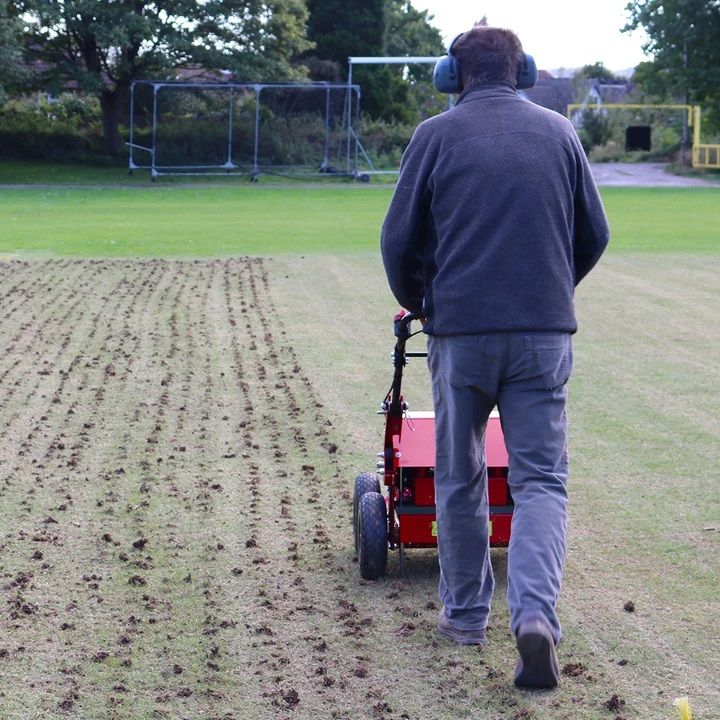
(488, 54)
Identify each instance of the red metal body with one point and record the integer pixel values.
(409, 476)
(408, 462)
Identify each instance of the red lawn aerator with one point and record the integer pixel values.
(405, 517)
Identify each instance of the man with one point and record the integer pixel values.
(494, 221)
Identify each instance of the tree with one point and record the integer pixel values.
(597, 71)
(409, 32)
(340, 29)
(104, 46)
(377, 27)
(684, 41)
(11, 69)
(595, 129)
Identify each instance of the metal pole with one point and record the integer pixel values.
(131, 162)
(230, 127)
(327, 128)
(256, 170)
(153, 171)
(696, 135)
(349, 114)
(357, 136)
(684, 141)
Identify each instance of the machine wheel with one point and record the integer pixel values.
(364, 483)
(372, 536)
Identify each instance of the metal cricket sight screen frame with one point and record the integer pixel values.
(209, 128)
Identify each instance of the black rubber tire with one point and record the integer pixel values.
(364, 483)
(373, 536)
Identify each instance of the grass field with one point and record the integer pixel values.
(161, 221)
(178, 440)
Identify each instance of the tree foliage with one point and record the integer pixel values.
(595, 129)
(340, 29)
(597, 71)
(684, 41)
(11, 71)
(104, 46)
(410, 32)
(407, 32)
(378, 27)
(99, 48)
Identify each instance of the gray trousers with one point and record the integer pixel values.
(525, 375)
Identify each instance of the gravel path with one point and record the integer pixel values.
(644, 175)
(618, 174)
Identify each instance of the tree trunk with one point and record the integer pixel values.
(111, 104)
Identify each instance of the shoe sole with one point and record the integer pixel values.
(539, 668)
(461, 637)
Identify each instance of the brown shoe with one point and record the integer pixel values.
(537, 667)
(461, 637)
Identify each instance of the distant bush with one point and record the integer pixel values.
(284, 139)
(602, 133)
(192, 130)
(595, 129)
(296, 140)
(385, 141)
(35, 127)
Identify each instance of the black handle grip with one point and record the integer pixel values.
(401, 326)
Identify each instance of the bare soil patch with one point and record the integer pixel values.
(175, 512)
(162, 465)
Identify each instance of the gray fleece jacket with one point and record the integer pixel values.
(495, 218)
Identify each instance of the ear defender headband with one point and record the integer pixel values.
(448, 78)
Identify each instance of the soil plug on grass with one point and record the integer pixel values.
(614, 703)
(683, 707)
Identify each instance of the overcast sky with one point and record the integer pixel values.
(558, 33)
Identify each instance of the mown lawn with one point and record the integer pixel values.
(179, 442)
(645, 503)
(220, 221)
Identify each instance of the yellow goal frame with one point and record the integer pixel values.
(703, 155)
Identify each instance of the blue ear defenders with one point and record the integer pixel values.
(448, 79)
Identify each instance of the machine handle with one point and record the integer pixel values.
(401, 324)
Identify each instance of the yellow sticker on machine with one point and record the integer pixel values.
(433, 528)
